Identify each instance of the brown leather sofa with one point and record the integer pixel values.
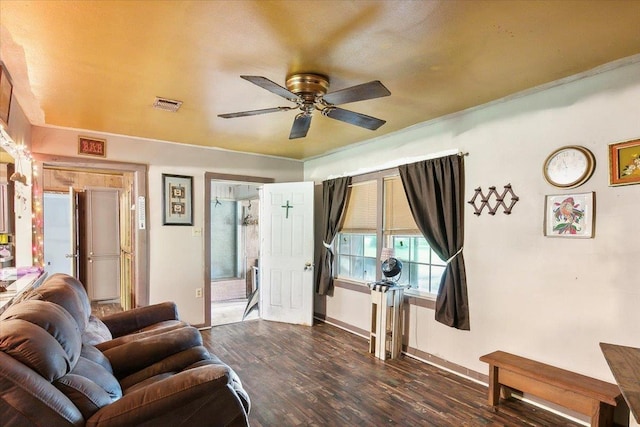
(60, 366)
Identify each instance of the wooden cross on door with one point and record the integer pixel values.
(287, 207)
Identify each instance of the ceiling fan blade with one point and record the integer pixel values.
(353, 118)
(255, 112)
(300, 127)
(370, 90)
(267, 84)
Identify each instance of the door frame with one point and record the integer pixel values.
(209, 177)
(141, 249)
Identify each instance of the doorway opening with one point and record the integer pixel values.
(87, 231)
(99, 195)
(232, 215)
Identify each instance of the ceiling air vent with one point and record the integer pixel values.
(167, 104)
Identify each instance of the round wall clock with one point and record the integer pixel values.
(569, 167)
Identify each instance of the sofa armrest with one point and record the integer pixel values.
(202, 395)
(127, 322)
(178, 362)
(133, 356)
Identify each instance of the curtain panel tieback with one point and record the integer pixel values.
(454, 255)
(328, 245)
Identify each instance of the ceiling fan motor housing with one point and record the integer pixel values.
(308, 85)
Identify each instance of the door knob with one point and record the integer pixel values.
(308, 266)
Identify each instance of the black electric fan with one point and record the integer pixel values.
(391, 269)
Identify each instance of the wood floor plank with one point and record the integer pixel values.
(325, 376)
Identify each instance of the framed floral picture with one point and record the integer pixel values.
(569, 215)
(624, 163)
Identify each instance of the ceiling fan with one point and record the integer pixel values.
(309, 92)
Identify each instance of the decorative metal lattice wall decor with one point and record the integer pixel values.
(493, 200)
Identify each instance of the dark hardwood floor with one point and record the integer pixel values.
(324, 376)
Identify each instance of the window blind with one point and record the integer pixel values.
(397, 215)
(360, 215)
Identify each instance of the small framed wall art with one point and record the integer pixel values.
(177, 200)
(6, 92)
(624, 163)
(92, 146)
(569, 215)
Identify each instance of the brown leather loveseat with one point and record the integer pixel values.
(60, 366)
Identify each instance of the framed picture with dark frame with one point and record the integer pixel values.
(624, 163)
(6, 92)
(177, 199)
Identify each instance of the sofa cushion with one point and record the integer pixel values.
(96, 332)
(95, 355)
(86, 395)
(27, 399)
(75, 284)
(90, 387)
(100, 376)
(41, 335)
(68, 293)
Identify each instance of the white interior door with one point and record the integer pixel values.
(102, 235)
(60, 233)
(286, 252)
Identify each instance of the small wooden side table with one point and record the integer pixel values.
(385, 339)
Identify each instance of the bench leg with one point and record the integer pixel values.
(507, 393)
(494, 386)
(601, 415)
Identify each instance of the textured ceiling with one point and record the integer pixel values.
(99, 65)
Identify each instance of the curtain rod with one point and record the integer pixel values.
(398, 162)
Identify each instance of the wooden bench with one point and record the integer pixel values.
(580, 393)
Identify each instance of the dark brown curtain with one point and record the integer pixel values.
(334, 200)
(435, 191)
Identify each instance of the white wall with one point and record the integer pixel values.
(176, 255)
(549, 299)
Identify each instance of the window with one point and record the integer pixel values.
(421, 266)
(358, 241)
(357, 258)
(366, 223)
